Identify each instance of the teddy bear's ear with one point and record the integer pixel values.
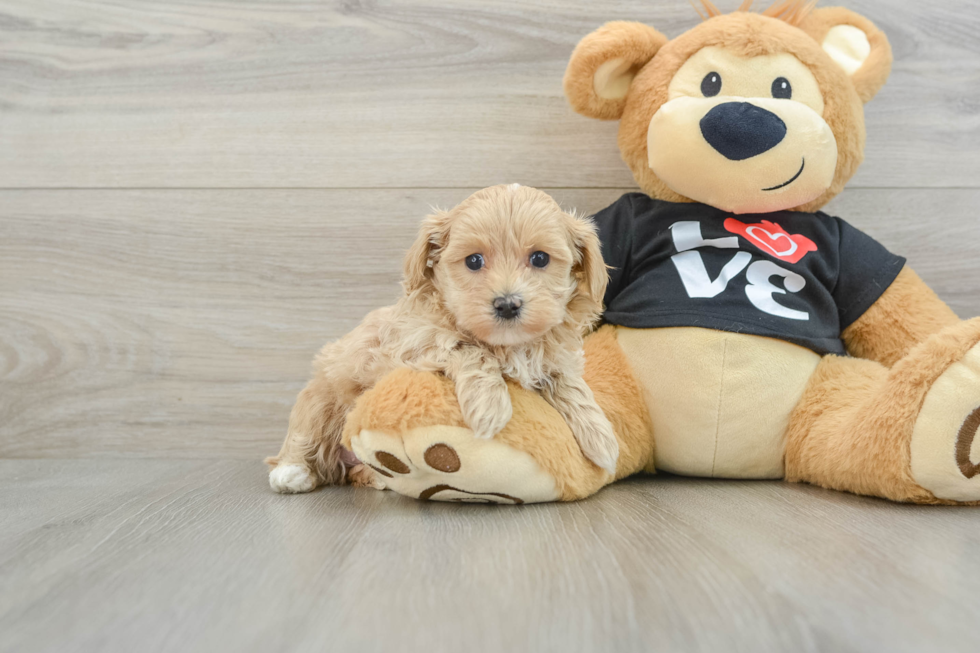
(855, 44)
(424, 252)
(604, 63)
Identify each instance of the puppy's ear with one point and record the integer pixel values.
(424, 252)
(854, 44)
(590, 268)
(604, 63)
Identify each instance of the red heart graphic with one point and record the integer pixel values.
(773, 239)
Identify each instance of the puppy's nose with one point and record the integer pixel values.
(507, 306)
(740, 130)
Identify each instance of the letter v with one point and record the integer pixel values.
(695, 277)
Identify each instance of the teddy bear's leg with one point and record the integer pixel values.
(408, 428)
(908, 433)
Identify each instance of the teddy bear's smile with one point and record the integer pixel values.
(792, 179)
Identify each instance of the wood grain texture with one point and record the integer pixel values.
(397, 93)
(182, 323)
(202, 556)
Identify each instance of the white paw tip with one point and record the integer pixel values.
(609, 467)
(607, 461)
(291, 479)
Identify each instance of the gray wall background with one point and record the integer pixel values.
(195, 196)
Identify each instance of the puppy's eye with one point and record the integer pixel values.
(474, 261)
(781, 89)
(711, 85)
(540, 259)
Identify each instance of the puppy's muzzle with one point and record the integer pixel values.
(507, 307)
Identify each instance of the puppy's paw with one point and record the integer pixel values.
(291, 479)
(363, 476)
(598, 442)
(488, 414)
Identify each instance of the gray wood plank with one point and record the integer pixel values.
(192, 556)
(396, 93)
(182, 323)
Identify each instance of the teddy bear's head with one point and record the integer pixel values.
(747, 112)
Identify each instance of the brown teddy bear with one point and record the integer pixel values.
(747, 334)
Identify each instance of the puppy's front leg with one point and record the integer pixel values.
(481, 392)
(572, 397)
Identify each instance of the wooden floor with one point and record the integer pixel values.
(167, 555)
(195, 196)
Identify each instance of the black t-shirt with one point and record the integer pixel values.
(799, 277)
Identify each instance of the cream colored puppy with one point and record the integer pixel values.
(504, 286)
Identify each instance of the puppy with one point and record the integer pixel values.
(505, 285)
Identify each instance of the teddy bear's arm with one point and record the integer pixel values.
(907, 313)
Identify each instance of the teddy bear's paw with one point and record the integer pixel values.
(291, 479)
(945, 443)
(447, 463)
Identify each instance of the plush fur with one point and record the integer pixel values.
(895, 419)
(850, 432)
(447, 322)
(632, 43)
(905, 315)
(853, 426)
(873, 74)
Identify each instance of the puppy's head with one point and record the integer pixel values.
(509, 265)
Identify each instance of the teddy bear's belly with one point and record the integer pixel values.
(719, 401)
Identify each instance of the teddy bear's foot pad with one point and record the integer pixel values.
(448, 463)
(945, 443)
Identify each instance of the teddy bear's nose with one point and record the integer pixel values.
(740, 130)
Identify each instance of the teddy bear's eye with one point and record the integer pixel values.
(474, 261)
(711, 85)
(781, 89)
(540, 259)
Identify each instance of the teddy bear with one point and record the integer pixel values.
(746, 333)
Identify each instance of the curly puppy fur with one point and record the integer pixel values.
(447, 322)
